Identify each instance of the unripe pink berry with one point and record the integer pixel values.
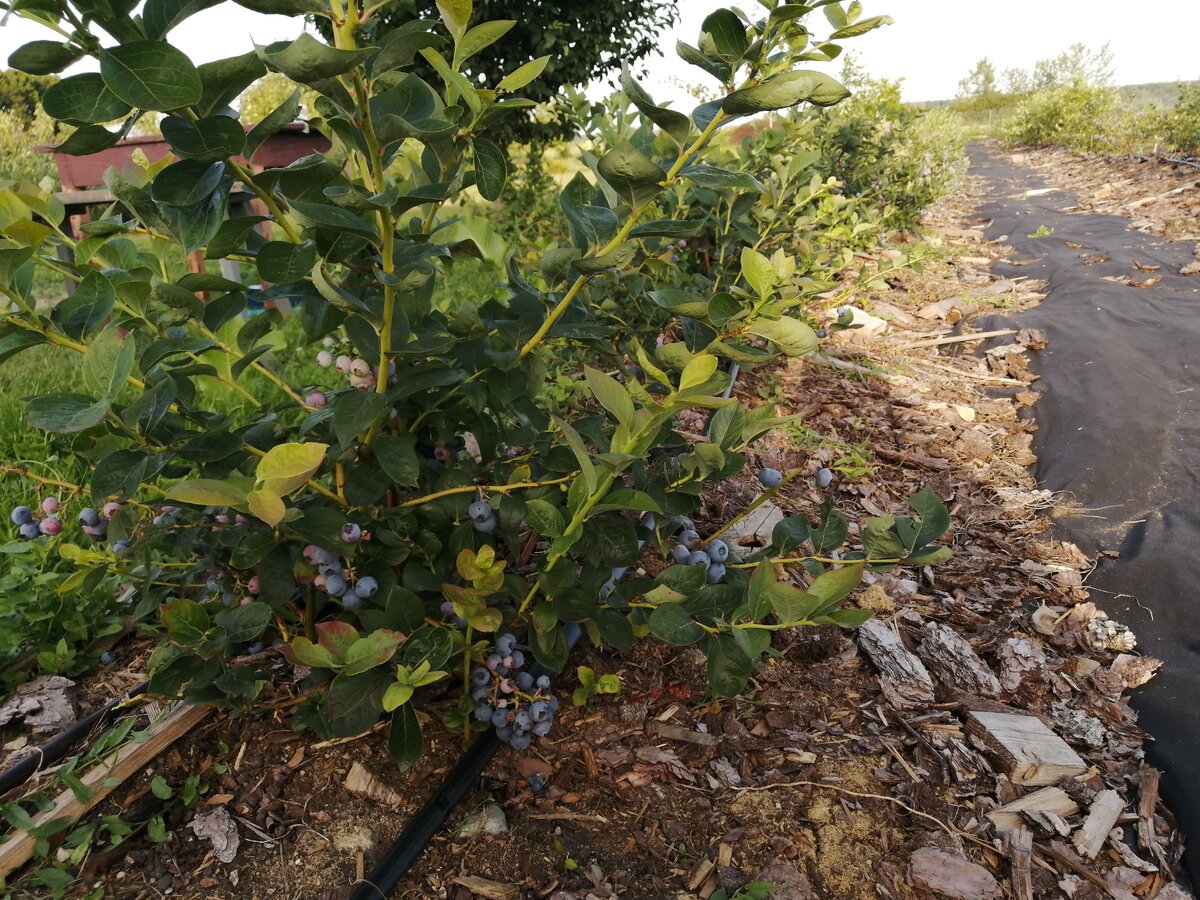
(239, 519)
(245, 601)
(222, 519)
(111, 509)
(342, 364)
(310, 554)
(316, 399)
(50, 505)
(319, 582)
(50, 526)
(360, 367)
(324, 359)
(252, 584)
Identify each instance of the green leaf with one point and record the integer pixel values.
(681, 302)
(231, 236)
(675, 125)
(107, 362)
(186, 621)
(491, 168)
(187, 182)
(83, 98)
(861, 28)
(45, 57)
(355, 412)
(160, 16)
(151, 75)
(206, 140)
(307, 60)
(405, 744)
(396, 696)
(284, 114)
(456, 14)
(717, 178)
(758, 593)
(728, 667)
(400, 49)
(225, 79)
(283, 262)
(635, 178)
(287, 466)
(758, 271)
(834, 586)
(243, 623)
(65, 413)
(398, 457)
(723, 34)
(86, 309)
(306, 653)
(673, 623)
(480, 37)
(88, 139)
(266, 506)
(611, 395)
(329, 215)
(545, 517)
(792, 336)
(373, 650)
(518, 78)
(160, 789)
(207, 492)
(784, 91)
(935, 518)
(698, 371)
(580, 450)
(625, 500)
(832, 530)
(932, 556)
(790, 534)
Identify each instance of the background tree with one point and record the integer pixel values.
(21, 94)
(980, 81)
(598, 36)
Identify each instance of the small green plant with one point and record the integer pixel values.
(1041, 231)
(591, 684)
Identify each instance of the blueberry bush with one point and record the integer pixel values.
(421, 517)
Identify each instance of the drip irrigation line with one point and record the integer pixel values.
(428, 821)
(59, 745)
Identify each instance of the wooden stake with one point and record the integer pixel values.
(102, 778)
(956, 339)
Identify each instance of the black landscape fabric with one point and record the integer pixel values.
(1119, 431)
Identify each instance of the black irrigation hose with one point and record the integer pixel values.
(429, 820)
(59, 745)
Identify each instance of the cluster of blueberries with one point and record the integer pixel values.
(688, 552)
(332, 576)
(360, 373)
(519, 705)
(93, 523)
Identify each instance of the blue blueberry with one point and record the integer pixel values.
(483, 713)
(120, 548)
(366, 587)
(689, 538)
(500, 718)
(351, 533)
(770, 478)
(335, 585)
(539, 711)
(505, 644)
(479, 511)
(351, 600)
(680, 553)
(543, 683)
(718, 551)
(29, 531)
(89, 517)
(487, 526)
(520, 741)
(107, 659)
(698, 558)
(480, 677)
(21, 515)
(716, 572)
(256, 647)
(537, 783)
(824, 478)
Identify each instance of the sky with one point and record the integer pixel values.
(931, 46)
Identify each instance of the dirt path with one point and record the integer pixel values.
(1119, 430)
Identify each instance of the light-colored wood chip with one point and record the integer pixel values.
(1029, 752)
(1100, 820)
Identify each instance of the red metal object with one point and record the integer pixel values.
(80, 172)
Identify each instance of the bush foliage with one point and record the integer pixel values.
(383, 514)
